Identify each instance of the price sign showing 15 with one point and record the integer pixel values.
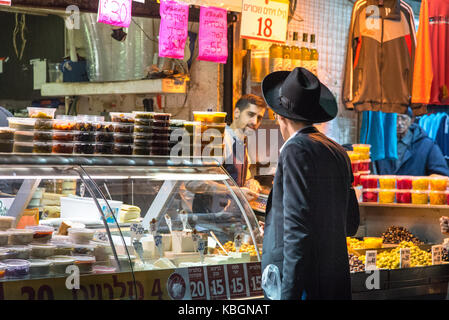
(217, 287)
(265, 25)
(255, 283)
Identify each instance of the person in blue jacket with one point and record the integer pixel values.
(418, 155)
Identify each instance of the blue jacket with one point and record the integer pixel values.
(423, 157)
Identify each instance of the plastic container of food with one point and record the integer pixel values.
(21, 124)
(104, 137)
(361, 148)
(160, 130)
(80, 235)
(370, 195)
(64, 124)
(122, 117)
(141, 151)
(83, 249)
(124, 138)
(387, 182)
(42, 147)
(143, 122)
(123, 149)
(142, 129)
(160, 137)
(355, 166)
(104, 148)
(356, 181)
(42, 250)
(139, 143)
(403, 196)
(104, 126)
(64, 136)
(438, 197)
(143, 136)
(213, 129)
(123, 128)
(6, 253)
(161, 125)
(6, 146)
(83, 136)
(41, 234)
(4, 237)
(160, 116)
(84, 123)
(420, 183)
(23, 136)
(20, 236)
(62, 147)
(209, 117)
(3, 270)
(17, 268)
(104, 131)
(103, 269)
(142, 115)
(63, 248)
(438, 183)
(83, 148)
(84, 263)
(41, 113)
(155, 144)
(23, 147)
(404, 182)
(6, 222)
(364, 165)
(43, 135)
(420, 196)
(6, 133)
(369, 181)
(387, 196)
(60, 263)
(39, 267)
(102, 251)
(43, 124)
(124, 262)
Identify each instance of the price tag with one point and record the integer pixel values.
(158, 243)
(236, 280)
(168, 221)
(437, 254)
(217, 282)
(264, 20)
(173, 29)
(115, 12)
(254, 271)
(136, 230)
(370, 259)
(5, 2)
(184, 218)
(404, 261)
(213, 35)
(238, 242)
(100, 236)
(197, 283)
(153, 227)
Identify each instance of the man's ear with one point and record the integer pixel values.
(236, 113)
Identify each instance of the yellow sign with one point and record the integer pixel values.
(265, 20)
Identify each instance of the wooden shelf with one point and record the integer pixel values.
(116, 87)
(403, 205)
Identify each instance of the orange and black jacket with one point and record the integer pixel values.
(380, 55)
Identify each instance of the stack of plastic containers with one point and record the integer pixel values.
(143, 122)
(212, 133)
(192, 138)
(43, 129)
(104, 137)
(363, 150)
(84, 134)
(6, 139)
(123, 124)
(354, 157)
(176, 131)
(159, 145)
(63, 134)
(23, 134)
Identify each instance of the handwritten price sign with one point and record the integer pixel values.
(264, 20)
(212, 40)
(115, 12)
(173, 29)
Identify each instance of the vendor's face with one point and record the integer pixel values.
(403, 123)
(250, 118)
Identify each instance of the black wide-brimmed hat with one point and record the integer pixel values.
(299, 95)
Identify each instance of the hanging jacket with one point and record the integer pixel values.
(379, 58)
(423, 157)
(431, 78)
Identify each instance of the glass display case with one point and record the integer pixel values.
(119, 219)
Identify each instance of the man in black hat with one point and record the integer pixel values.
(312, 206)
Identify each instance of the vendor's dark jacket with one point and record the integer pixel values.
(423, 157)
(311, 209)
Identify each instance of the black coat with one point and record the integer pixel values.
(311, 209)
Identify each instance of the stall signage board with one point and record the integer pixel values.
(404, 261)
(213, 35)
(5, 2)
(217, 282)
(254, 278)
(173, 29)
(237, 280)
(437, 254)
(115, 12)
(265, 20)
(370, 259)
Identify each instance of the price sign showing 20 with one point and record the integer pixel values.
(265, 25)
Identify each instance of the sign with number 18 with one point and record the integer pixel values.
(265, 20)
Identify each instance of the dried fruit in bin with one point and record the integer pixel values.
(395, 235)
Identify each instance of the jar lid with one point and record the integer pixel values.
(371, 190)
(61, 260)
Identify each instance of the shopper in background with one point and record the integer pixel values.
(312, 206)
(4, 114)
(248, 114)
(418, 155)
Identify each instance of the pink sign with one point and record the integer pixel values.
(115, 12)
(173, 29)
(213, 40)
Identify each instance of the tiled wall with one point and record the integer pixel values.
(329, 21)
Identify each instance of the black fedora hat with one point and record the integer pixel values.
(299, 95)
